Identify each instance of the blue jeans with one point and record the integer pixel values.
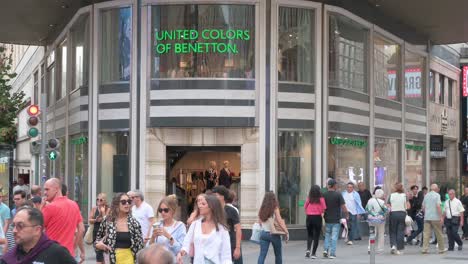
(265, 239)
(331, 237)
(354, 232)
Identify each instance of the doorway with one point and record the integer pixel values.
(188, 170)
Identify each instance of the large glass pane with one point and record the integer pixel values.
(348, 47)
(414, 167)
(295, 173)
(295, 45)
(114, 162)
(51, 85)
(116, 41)
(62, 89)
(212, 41)
(78, 180)
(347, 159)
(432, 86)
(441, 89)
(386, 163)
(414, 79)
(80, 49)
(386, 65)
(450, 92)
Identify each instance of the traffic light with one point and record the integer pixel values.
(53, 145)
(33, 121)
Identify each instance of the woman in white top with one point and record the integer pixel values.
(399, 204)
(376, 210)
(208, 235)
(168, 232)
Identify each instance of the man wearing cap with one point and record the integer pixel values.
(335, 207)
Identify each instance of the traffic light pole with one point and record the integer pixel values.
(43, 157)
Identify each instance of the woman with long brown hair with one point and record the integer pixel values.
(208, 234)
(120, 233)
(269, 213)
(398, 203)
(96, 216)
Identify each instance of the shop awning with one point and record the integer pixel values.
(443, 22)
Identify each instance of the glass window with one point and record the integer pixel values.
(450, 92)
(441, 89)
(43, 70)
(295, 45)
(386, 163)
(78, 179)
(211, 41)
(51, 85)
(348, 47)
(36, 88)
(386, 65)
(114, 170)
(116, 45)
(347, 159)
(80, 50)
(62, 86)
(414, 79)
(295, 173)
(414, 167)
(432, 86)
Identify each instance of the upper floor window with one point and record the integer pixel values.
(431, 86)
(61, 87)
(80, 35)
(450, 92)
(204, 41)
(414, 79)
(386, 65)
(441, 89)
(36, 87)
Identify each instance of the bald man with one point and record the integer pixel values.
(62, 218)
(155, 254)
(433, 219)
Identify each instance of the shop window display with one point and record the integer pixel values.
(386, 163)
(203, 41)
(348, 47)
(347, 159)
(414, 167)
(295, 173)
(386, 65)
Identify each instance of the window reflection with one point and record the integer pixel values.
(386, 65)
(414, 80)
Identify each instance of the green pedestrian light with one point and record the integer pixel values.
(33, 132)
(53, 155)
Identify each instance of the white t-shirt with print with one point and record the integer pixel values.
(142, 215)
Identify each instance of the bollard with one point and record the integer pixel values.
(372, 244)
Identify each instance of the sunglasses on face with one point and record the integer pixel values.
(99, 200)
(124, 202)
(21, 226)
(165, 210)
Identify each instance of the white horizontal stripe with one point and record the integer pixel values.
(296, 97)
(296, 113)
(202, 94)
(387, 124)
(114, 98)
(82, 100)
(113, 114)
(78, 117)
(202, 110)
(348, 103)
(59, 124)
(387, 111)
(60, 111)
(348, 118)
(415, 128)
(415, 117)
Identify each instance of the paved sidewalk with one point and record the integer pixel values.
(293, 252)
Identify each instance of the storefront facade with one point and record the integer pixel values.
(289, 92)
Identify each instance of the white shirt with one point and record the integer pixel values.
(350, 203)
(456, 207)
(215, 246)
(142, 215)
(398, 202)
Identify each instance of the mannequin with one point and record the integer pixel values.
(225, 175)
(211, 176)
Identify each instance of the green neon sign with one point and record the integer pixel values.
(79, 141)
(359, 143)
(414, 147)
(199, 41)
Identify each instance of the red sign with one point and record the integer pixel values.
(464, 87)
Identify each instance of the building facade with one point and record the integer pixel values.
(290, 93)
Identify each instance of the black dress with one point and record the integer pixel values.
(210, 177)
(224, 178)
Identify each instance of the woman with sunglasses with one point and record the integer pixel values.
(97, 215)
(120, 233)
(208, 234)
(168, 232)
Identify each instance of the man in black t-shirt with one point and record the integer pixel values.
(364, 194)
(233, 222)
(335, 207)
(464, 200)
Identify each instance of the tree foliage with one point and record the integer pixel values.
(10, 103)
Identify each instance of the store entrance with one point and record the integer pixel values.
(192, 170)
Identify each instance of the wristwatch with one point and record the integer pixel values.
(171, 239)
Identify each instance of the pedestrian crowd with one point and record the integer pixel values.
(47, 227)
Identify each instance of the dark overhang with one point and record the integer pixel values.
(38, 22)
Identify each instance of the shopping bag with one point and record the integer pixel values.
(256, 230)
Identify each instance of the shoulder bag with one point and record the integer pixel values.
(88, 238)
(275, 227)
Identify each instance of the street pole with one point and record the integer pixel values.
(42, 157)
(372, 244)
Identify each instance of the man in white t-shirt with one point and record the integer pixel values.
(453, 219)
(354, 206)
(143, 213)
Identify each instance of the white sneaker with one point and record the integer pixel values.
(398, 252)
(393, 250)
(349, 243)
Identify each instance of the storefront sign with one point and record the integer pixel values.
(444, 122)
(464, 83)
(204, 41)
(359, 143)
(414, 147)
(412, 83)
(79, 141)
(439, 154)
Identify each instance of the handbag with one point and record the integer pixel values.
(275, 227)
(408, 221)
(455, 220)
(88, 237)
(256, 231)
